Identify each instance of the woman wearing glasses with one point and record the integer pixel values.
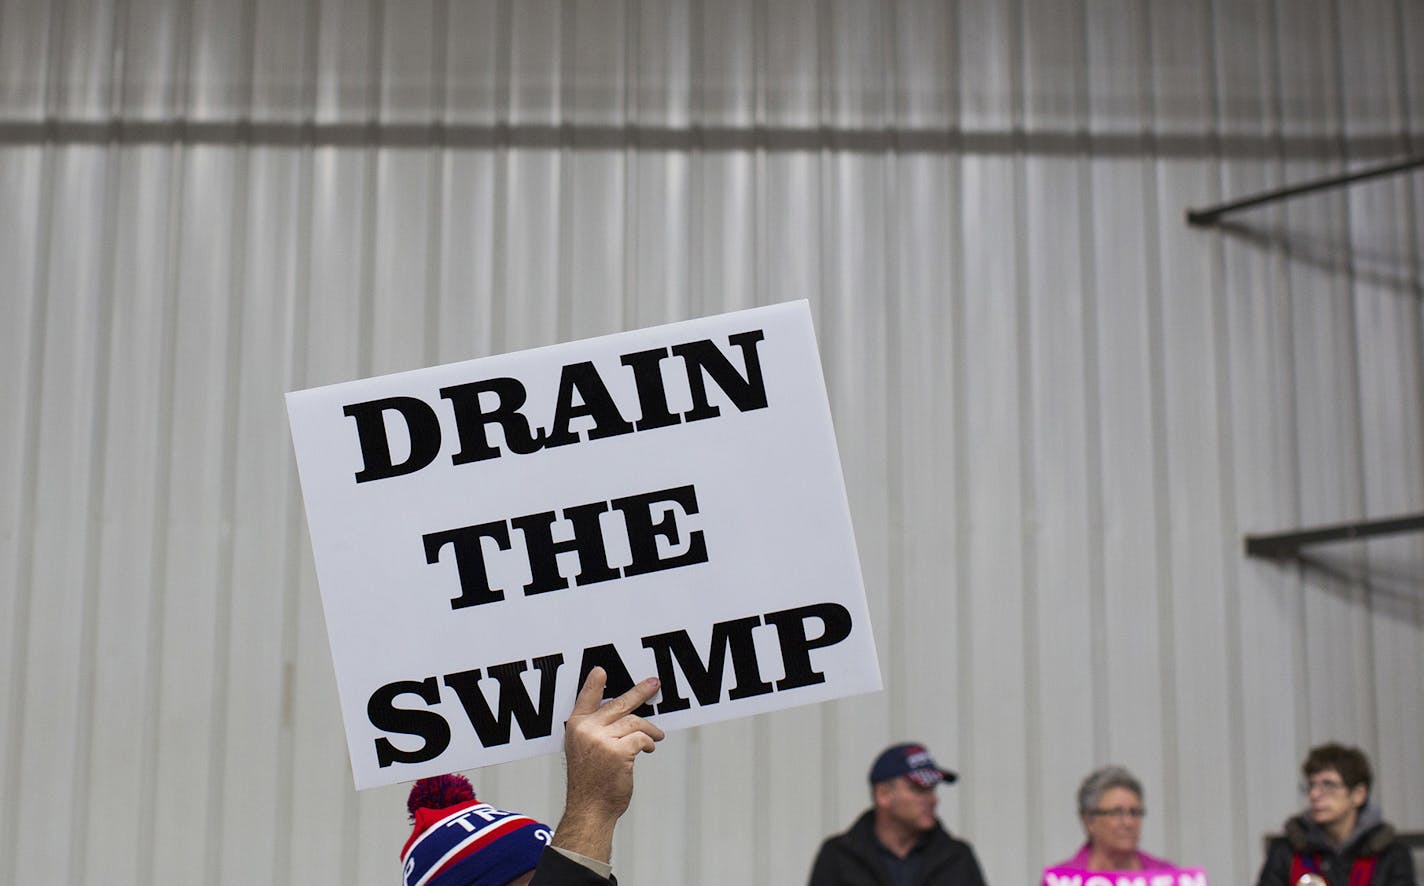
(1110, 806)
(1340, 838)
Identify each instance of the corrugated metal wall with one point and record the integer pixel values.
(1058, 407)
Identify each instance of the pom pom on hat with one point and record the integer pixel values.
(459, 841)
(439, 792)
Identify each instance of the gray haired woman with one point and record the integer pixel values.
(1110, 807)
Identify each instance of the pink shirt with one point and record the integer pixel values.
(1080, 861)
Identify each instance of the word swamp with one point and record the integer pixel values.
(673, 652)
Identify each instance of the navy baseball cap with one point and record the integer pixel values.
(911, 761)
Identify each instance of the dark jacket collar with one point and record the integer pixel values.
(1370, 836)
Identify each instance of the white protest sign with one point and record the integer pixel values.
(666, 502)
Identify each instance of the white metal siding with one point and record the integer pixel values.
(1058, 407)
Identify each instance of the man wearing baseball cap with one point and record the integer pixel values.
(899, 841)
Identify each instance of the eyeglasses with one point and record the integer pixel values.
(1323, 785)
(1119, 813)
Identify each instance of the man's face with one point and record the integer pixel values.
(906, 805)
(1330, 801)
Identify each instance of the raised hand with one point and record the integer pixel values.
(601, 742)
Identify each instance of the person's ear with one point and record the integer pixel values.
(879, 791)
(1358, 795)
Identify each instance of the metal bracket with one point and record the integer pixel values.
(1201, 218)
(1280, 545)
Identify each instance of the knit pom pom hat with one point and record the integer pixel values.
(459, 841)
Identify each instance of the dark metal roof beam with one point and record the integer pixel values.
(1206, 217)
(1286, 544)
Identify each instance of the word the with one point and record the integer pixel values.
(639, 520)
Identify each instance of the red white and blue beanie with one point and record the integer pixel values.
(459, 841)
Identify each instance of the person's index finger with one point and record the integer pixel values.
(591, 693)
(629, 701)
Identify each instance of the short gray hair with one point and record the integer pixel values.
(1101, 781)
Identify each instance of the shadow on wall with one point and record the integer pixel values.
(1366, 263)
(439, 134)
(1391, 579)
(1387, 575)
